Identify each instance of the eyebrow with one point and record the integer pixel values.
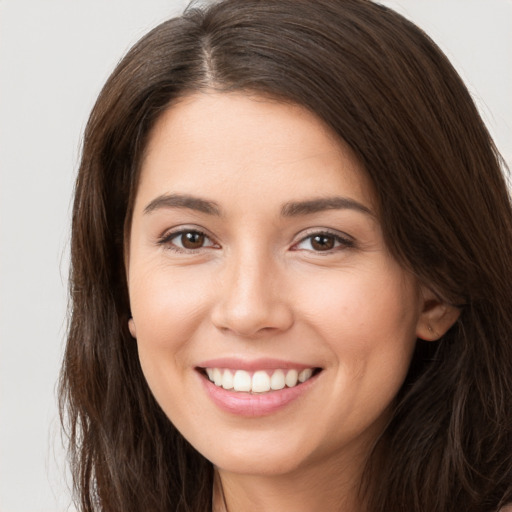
(183, 201)
(308, 207)
(291, 209)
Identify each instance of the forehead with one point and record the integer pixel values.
(211, 142)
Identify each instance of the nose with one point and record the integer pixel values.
(252, 300)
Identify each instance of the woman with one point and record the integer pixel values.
(290, 272)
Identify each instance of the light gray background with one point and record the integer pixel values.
(54, 57)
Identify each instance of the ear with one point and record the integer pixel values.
(436, 316)
(131, 326)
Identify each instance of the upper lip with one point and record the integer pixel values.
(253, 364)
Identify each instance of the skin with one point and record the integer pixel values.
(258, 287)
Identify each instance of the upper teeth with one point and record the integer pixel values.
(260, 381)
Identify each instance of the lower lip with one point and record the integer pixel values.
(247, 404)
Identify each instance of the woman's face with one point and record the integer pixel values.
(256, 260)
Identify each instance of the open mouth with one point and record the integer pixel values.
(260, 381)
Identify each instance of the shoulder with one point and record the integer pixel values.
(506, 508)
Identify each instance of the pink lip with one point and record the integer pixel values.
(253, 365)
(252, 405)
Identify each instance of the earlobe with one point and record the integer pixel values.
(436, 318)
(131, 326)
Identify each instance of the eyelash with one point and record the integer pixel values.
(343, 242)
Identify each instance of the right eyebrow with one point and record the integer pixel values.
(183, 201)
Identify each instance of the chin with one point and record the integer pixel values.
(258, 454)
(257, 465)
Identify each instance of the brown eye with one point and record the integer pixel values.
(187, 240)
(322, 242)
(192, 240)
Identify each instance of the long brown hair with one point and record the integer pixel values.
(391, 94)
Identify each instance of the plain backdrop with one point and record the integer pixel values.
(54, 57)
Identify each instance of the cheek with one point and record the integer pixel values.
(166, 305)
(360, 307)
(370, 331)
(167, 311)
(368, 321)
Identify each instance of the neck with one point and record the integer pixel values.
(330, 488)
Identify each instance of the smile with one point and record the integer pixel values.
(260, 381)
(256, 388)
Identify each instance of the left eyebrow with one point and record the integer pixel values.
(310, 206)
